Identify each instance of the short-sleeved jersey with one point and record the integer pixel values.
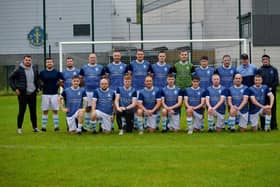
(205, 75)
(126, 96)
(160, 72)
(116, 73)
(68, 74)
(149, 97)
(92, 75)
(139, 71)
(237, 95)
(171, 96)
(194, 97)
(226, 75)
(50, 81)
(183, 74)
(260, 94)
(104, 100)
(248, 72)
(73, 99)
(214, 94)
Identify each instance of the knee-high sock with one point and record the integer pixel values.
(87, 120)
(93, 123)
(189, 123)
(140, 123)
(231, 122)
(267, 121)
(210, 122)
(164, 122)
(55, 120)
(44, 120)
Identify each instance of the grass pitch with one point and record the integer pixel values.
(171, 159)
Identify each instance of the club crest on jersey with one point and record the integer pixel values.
(242, 91)
(153, 93)
(130, 94)
(198, 93)
(220, 91)
(175, 91)
(121, 67)
(231, 71)
(165, 69)
(271, 71)
(262, 90)
(79, 93)
(74, 73)
(208, 72)
(144, 66)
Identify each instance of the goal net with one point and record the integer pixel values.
(213, 48)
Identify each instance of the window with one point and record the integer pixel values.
(246, 25)
(81, 30)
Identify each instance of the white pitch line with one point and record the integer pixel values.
(138, 147)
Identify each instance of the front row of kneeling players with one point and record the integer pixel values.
(150, 100)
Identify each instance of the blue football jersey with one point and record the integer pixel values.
(205, 75)
(116, 73)
(139, 72)
(104, 100)
(160, 72)
(73, 99)
(237, 94)
(68, 74)
(50, 81)
(126, 96)
(92, 75)
(194, 97)
(171, 96)
(260, 94)
(214, 94)
(149, 97)
(226, 75)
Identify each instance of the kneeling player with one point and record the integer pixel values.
(258, 93)
(75, 104)
(149, 102)
(102, 106)
(125, 102)
(171, 102)
(215, 101)
(238, 96)
(194, 100)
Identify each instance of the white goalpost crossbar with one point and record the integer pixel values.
(244, 41)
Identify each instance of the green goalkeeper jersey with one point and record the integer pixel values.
(183, 74)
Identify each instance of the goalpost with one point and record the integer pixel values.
(217, 46)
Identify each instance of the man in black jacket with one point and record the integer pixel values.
(271, 79)
(24, 81)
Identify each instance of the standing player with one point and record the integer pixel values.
(75, 100)
(51, 79)
(194, 100)
(171, 102)
(102, 106)
(139, 69)
(69, 72)
(91, 74)
(183, 70)
(116, 71)
(160, 70)
(215, 101)
(258, 93)
(238, 96)
(149, 102)
(226, 71)
(125, 102)
(204, 72)
(248, 71)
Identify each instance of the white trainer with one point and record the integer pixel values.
(141, 132)
(121, 132)
(19, 131)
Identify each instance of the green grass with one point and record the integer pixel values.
(172, 159)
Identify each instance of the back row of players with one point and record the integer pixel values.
(140, 89)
